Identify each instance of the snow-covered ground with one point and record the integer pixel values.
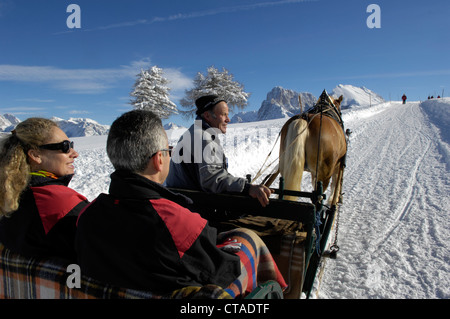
(394, 225)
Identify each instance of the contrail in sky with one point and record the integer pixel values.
(199, 14)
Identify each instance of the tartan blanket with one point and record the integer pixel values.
(32, 278)
(36, 278)
(257, 264)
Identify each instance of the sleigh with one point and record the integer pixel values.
(315, 140)
(298, 252)
(298, 257)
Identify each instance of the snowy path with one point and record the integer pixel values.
(394, 226)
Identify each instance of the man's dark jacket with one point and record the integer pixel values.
(139, 236)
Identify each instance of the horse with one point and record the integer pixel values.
(315, 142)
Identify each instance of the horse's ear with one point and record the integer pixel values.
(337, 102)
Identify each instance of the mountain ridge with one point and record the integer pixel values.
(284, 103)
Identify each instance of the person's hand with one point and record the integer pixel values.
(260, 192)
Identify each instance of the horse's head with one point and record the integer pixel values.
(337, 102)
(326, 99)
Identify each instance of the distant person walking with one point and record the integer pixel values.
(404, 98)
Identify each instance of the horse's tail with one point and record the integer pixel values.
(292, 154)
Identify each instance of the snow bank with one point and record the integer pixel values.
(438, 112)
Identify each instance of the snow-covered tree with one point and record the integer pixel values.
(215, 82)
(151, 93)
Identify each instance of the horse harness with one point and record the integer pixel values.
(324, 106)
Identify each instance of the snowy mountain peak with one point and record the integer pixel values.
(8, 122)
(282, 102)
(76, 127)
(356, 96)
(73, 127)
(11, 118)
(279, 103)
(172, 126)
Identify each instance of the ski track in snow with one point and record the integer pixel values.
(393, 229)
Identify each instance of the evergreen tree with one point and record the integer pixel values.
(151, 93)
(215, 82)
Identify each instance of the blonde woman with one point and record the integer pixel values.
(38, 212)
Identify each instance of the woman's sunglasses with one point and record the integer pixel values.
(64, 146)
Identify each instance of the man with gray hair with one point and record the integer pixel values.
(139, 235)
(199, 161)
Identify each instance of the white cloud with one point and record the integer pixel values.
(35, 100)
(178, 81)
(22, 110)
(84, 87)
(49, 73)
(77, 112)
(87, 81)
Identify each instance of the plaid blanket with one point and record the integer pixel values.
(285, 240)
(31, 278)
(34, 278)
(257, 264)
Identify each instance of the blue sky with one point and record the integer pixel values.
(47, 69)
